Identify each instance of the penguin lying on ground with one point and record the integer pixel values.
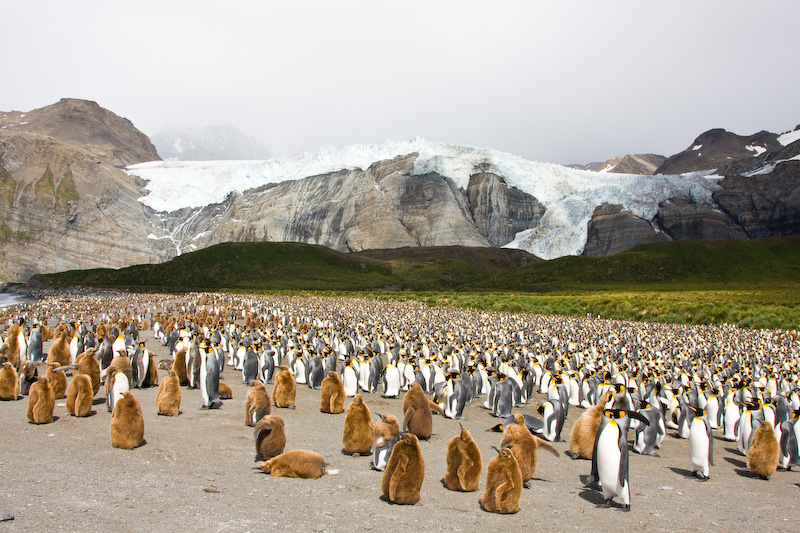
(295, 463)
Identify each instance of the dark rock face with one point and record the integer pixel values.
(681, 219)
(719, 149)
(764, 205)
(500, 211)
(612, 230)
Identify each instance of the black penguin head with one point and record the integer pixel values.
(499, 428)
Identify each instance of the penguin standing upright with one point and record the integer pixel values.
(358, 428)
(524, 444)
(9, 383)
(385, 434)
(349, 379)
(41, 402)
(701, 444)
(464, 463)
(405, 472)
(417, 417)
(168, 398)
(35, 350)
(610, 458)
(250, 367)
(391, 381)
(503, 483)
(127, 423)
(332, 394)
(764, 453)
(257, 403)
(209, 379)
(649, 437)
(285, 388)
(80, 396)
(553, 415)
(584, 432)
(270, 437)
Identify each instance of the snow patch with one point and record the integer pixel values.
(788, 138)
(757, 149)
(697, 147)
(569, 195)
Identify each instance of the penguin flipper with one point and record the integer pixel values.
(546, 445)
(397, 476)
(623, 459)
(464, 467)
(406, 419)
(435, 407)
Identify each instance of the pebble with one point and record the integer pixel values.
(6, 516)
(319, 528)
(665, 487)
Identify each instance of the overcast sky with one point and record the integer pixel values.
(556, 81)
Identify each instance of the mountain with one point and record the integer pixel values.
(67, 205)
(628, 164)
(65, 201)
(208, 143)
(727, 153)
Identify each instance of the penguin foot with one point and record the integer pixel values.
(606, 504)
(627, 508)
(527, 484)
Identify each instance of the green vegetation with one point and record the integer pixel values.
(752, 283)
(8, 186)
(66, 191)
(45, 186)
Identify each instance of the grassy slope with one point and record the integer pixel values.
(750, 283)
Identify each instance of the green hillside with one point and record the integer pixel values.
(752, 283)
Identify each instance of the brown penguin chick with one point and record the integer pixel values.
(270, 437)
(41, 402)
(168, 398)
(10, 347)
(358, 427)
(257, 404)
(127, 423)
(332, 394)
(58, 381)
(80, 395)
(285, 388)
(59, 350)
(122, 363)
(464, 463)
(404, 473)
(180, 367)
(584, 432)
(503, 483)
(764, 452)
(28, 375)
(87, 363)
(151, 379)
(9, 383)
(524, 444)
(417, 417)
(295, 463)
(225, 391)
(385, 429)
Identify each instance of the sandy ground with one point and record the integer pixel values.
(66, 476)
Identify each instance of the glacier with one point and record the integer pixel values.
(568, 195)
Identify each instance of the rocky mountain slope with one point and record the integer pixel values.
(65, 202)
(67, 205)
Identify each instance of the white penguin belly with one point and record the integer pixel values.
(608, 461)
(698, 447)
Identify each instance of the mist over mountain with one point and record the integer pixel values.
(208, 143)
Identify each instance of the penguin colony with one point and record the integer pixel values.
(645, 379)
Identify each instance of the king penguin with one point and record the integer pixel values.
(610, 457)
